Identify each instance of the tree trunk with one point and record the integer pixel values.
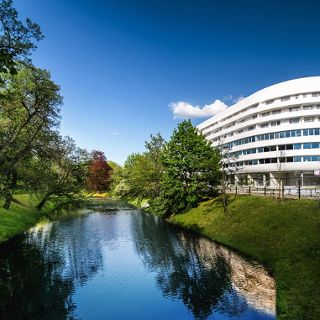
(44, 200)
(225, 203)
(10, 189)
(224, 194)
(7, 201)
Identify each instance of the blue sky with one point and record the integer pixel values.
(121, 63)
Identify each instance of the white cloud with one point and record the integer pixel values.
(114, 133)
(185, 110)
(231, 99)
(239, 99)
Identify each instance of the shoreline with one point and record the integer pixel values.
(276, 248)
(282, 235)
(21, 216)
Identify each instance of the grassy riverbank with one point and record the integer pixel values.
(283, 235)
(21, 216)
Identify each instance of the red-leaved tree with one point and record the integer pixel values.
(99, 173)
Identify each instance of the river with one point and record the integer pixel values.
(125, 264)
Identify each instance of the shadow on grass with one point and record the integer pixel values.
(195, 228)
(217, 202)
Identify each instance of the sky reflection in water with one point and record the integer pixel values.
(127, 265)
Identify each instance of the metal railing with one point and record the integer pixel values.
(294, 192)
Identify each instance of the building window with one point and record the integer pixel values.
(307, 107)
(253, 106)
(313, 145)
(267, 160)
(265, 114)
(294, 120)
(311, 132)
(308, 119)
(269, 101)
(275, 123)
(292, 109)
(315, 94)
(276, 135)
(286, 147)
(276, 111)
(264, 125)
(267, 149)
(311, 158)
(285, 98)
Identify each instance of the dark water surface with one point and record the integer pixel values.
(127, 265)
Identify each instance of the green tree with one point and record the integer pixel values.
(30, 104)
(116, 176)
(135, 180)
(17, 39)
(56, 171)
(142, 173)
(191, 170)
(154, 152)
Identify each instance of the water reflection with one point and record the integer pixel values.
(127, 265)
(30, 286)
(181, 273)
(205, 276)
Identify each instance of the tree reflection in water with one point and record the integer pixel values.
(44, 271)
(40, 271)
(186, 268)
(30, 286)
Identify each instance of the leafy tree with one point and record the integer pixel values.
(191, 170)
(29, 100)
(134, 177)
(99, 173)
(121, 189)
(154, 152)
(16, 38)
(30, 105)
(57, 171)
(116, 176)
(142, 173)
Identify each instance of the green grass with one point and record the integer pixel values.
(138, 202)
(283, 235)
(21, 216)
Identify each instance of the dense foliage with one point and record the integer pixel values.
(34, 158)
(173, 176)
(191, 170)
(141, 174)
(16, 38)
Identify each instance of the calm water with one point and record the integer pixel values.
(127, 265)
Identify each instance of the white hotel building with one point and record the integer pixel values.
(274, 134)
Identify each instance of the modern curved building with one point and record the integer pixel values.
(273, 135)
